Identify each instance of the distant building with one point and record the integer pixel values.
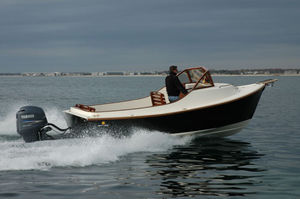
(114, 73)
(290, 72)
(131, 74)
(54, 74)
(147, 73)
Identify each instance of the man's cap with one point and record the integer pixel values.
(172, 68)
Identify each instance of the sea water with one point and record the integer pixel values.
(262, 161)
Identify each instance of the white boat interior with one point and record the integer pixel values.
(202, 93)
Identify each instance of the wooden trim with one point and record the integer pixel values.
(188, 69)
(189, 76)
(195, 86)
(210, 78)
(85, 107)
(206, 74)
(157, 98)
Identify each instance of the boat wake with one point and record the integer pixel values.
(8, 121)
(74, 152)
(17, 155)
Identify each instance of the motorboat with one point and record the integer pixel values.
(208, 109)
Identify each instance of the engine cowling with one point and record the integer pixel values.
(30, 123)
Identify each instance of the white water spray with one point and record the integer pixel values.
(17, 155)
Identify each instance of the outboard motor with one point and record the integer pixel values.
(32, 124)
(30, 121)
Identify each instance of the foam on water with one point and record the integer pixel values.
(8, 121)
(55, 116)
(17, 155)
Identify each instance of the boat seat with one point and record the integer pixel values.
(157, 98)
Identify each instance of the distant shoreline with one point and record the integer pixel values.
(262, 75)
(240, 72)
(216, 75)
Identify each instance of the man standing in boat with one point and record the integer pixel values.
(173, 85)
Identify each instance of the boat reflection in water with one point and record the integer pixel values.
(221, 167)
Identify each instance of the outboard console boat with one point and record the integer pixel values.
(209, 109)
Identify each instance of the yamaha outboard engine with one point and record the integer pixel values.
(31, 124)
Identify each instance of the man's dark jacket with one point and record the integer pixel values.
(174, 86)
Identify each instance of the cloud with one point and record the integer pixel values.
(92, 35)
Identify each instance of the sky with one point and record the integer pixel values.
(140, 35)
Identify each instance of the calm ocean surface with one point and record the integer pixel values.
(262, 161)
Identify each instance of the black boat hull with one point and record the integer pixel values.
(226, 118)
